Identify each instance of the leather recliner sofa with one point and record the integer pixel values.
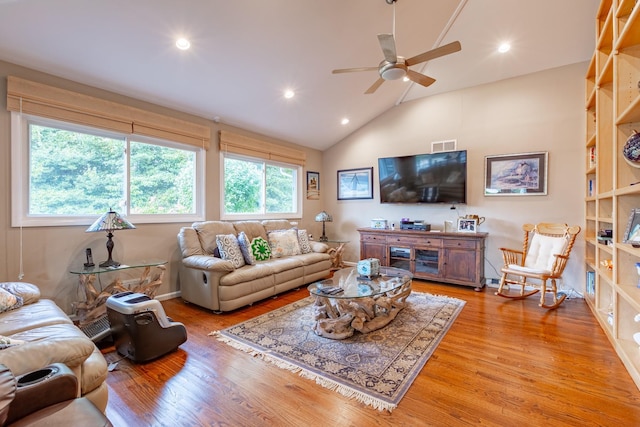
(38, 333)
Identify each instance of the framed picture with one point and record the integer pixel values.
(516, 174)
(313, 185)
(632, 232)
(466, 225)
(355, 184)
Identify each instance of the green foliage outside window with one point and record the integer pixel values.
(258, 187)
(74, 173)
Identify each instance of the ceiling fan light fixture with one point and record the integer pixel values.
(393, 70)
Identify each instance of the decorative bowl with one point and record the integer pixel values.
(631, 150)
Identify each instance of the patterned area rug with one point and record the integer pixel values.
(376, 368)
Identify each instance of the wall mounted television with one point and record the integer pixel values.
(424, 178)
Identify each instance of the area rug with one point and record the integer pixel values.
(375, 368)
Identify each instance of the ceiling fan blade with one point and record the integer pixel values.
(434, 53)
(374, 86)
(352, 70)
(420, 78)
(388, 45)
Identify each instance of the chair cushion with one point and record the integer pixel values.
(542, 250)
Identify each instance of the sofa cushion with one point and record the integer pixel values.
(208, 230)
(189, 242)
(260, 249)
(61, 343)
(29, 292)
(245, 248)
(276, 224)
(252, 229)
(284, 243)
(230, 249)
(303, 239)
(248, 273)
(41, 313)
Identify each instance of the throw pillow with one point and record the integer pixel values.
(29, 293)
(303, 239)
(9, 301)
(245, 248)
(6, 342)
(284, 243)
(229, 249)
(260, 249)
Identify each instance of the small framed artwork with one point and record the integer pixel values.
(516, 174)
(632, 232)
(313, 185)
(355, 184)
(466, 225)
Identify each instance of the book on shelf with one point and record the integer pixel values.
(592, 157)
(591, 283)
(590, 185)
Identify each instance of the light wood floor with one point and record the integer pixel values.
(502, 363)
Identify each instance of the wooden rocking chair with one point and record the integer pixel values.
(544, 255)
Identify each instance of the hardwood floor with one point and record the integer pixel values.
(502, 363)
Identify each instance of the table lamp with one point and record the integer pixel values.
(323, 217)
(110, 222)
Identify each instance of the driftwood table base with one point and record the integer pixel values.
(94, 305)
(339, 318)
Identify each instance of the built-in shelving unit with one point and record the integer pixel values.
(612, 183)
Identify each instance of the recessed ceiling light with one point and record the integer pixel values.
(504, 47)
(183, 44)
(289, 94)
(345, 121)
(405, 79)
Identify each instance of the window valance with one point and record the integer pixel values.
(47, 101)
(240, 144)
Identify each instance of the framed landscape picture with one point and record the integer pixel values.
(516, 174)
(355, 184)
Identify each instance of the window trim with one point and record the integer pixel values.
(20, 179)
(261, 216)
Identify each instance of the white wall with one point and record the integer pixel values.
(543, 111)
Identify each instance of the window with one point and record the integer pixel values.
(67, 174)
(260, 189)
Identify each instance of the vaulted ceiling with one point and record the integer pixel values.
(245, 53)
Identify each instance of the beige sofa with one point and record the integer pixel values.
(218, 285)
(38, 333)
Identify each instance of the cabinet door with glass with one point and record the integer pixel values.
(428, 259)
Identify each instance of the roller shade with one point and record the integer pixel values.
(240, 144)
(42, 100)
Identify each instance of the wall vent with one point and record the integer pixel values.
(441, 146)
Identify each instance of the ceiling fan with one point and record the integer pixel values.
(394, 67)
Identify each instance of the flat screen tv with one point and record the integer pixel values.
(424, 178)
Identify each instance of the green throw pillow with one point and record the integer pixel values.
(260, 249)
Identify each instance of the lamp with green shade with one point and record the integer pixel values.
(109, 222)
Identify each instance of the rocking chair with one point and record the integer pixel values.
(544, 255)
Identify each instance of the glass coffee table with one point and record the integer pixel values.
(348, 302)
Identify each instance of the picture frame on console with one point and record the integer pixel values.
(466, 225)
(522, 174)
(354, 184)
